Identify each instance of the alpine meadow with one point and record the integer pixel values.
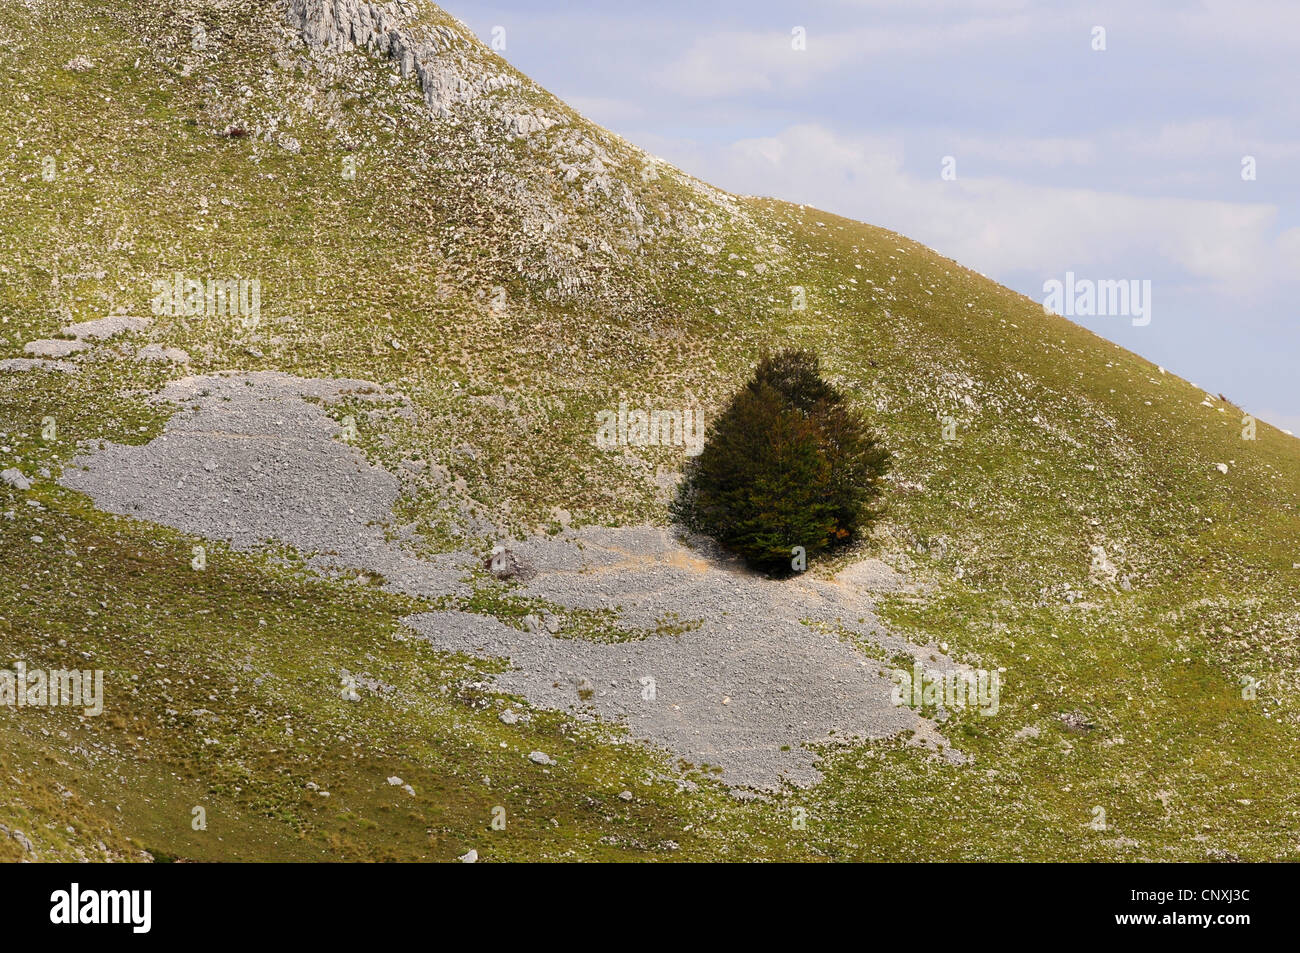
(419, 471)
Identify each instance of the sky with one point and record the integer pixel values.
(1141, 141)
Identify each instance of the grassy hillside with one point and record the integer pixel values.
(511, 286)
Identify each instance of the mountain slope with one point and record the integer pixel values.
(510, 270)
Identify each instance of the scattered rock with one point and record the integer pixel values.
(1221, 467)
(23, 842)
(1222, 856)
(525, 124)
(625, 795)
(14, 477)
(1029, 731)
(394, 781)
(504, 564)
(156, 352)
(1076, 721)
(1102, 570)
(540, 757)
(469, 858)
(79, 64)
(509, 717)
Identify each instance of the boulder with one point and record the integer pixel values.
(14, 477)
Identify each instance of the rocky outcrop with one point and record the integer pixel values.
(436, 55)
(522, 125)
(571, 207)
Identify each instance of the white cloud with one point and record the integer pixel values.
(999, 226)
(1250, 24)
(1013, 150)
(730, 62)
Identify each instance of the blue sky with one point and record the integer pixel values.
(1122, 163)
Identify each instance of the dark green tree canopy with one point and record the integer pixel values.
(787, 464)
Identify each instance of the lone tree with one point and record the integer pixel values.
(788, 464)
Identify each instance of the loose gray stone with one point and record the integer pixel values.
(101, 329)
(285, 476)
(14, 477)
(504, 564)
(20, 365)
(156, 352)
(23, 842)
(53, 347)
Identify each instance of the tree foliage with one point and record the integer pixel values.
(787, 464)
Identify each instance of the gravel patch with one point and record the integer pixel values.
(746, 689)
(156, 352)
(53, 347)
(250, 461)
(873, 575)
(758, 669)
(101, 329)
(21, 365)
